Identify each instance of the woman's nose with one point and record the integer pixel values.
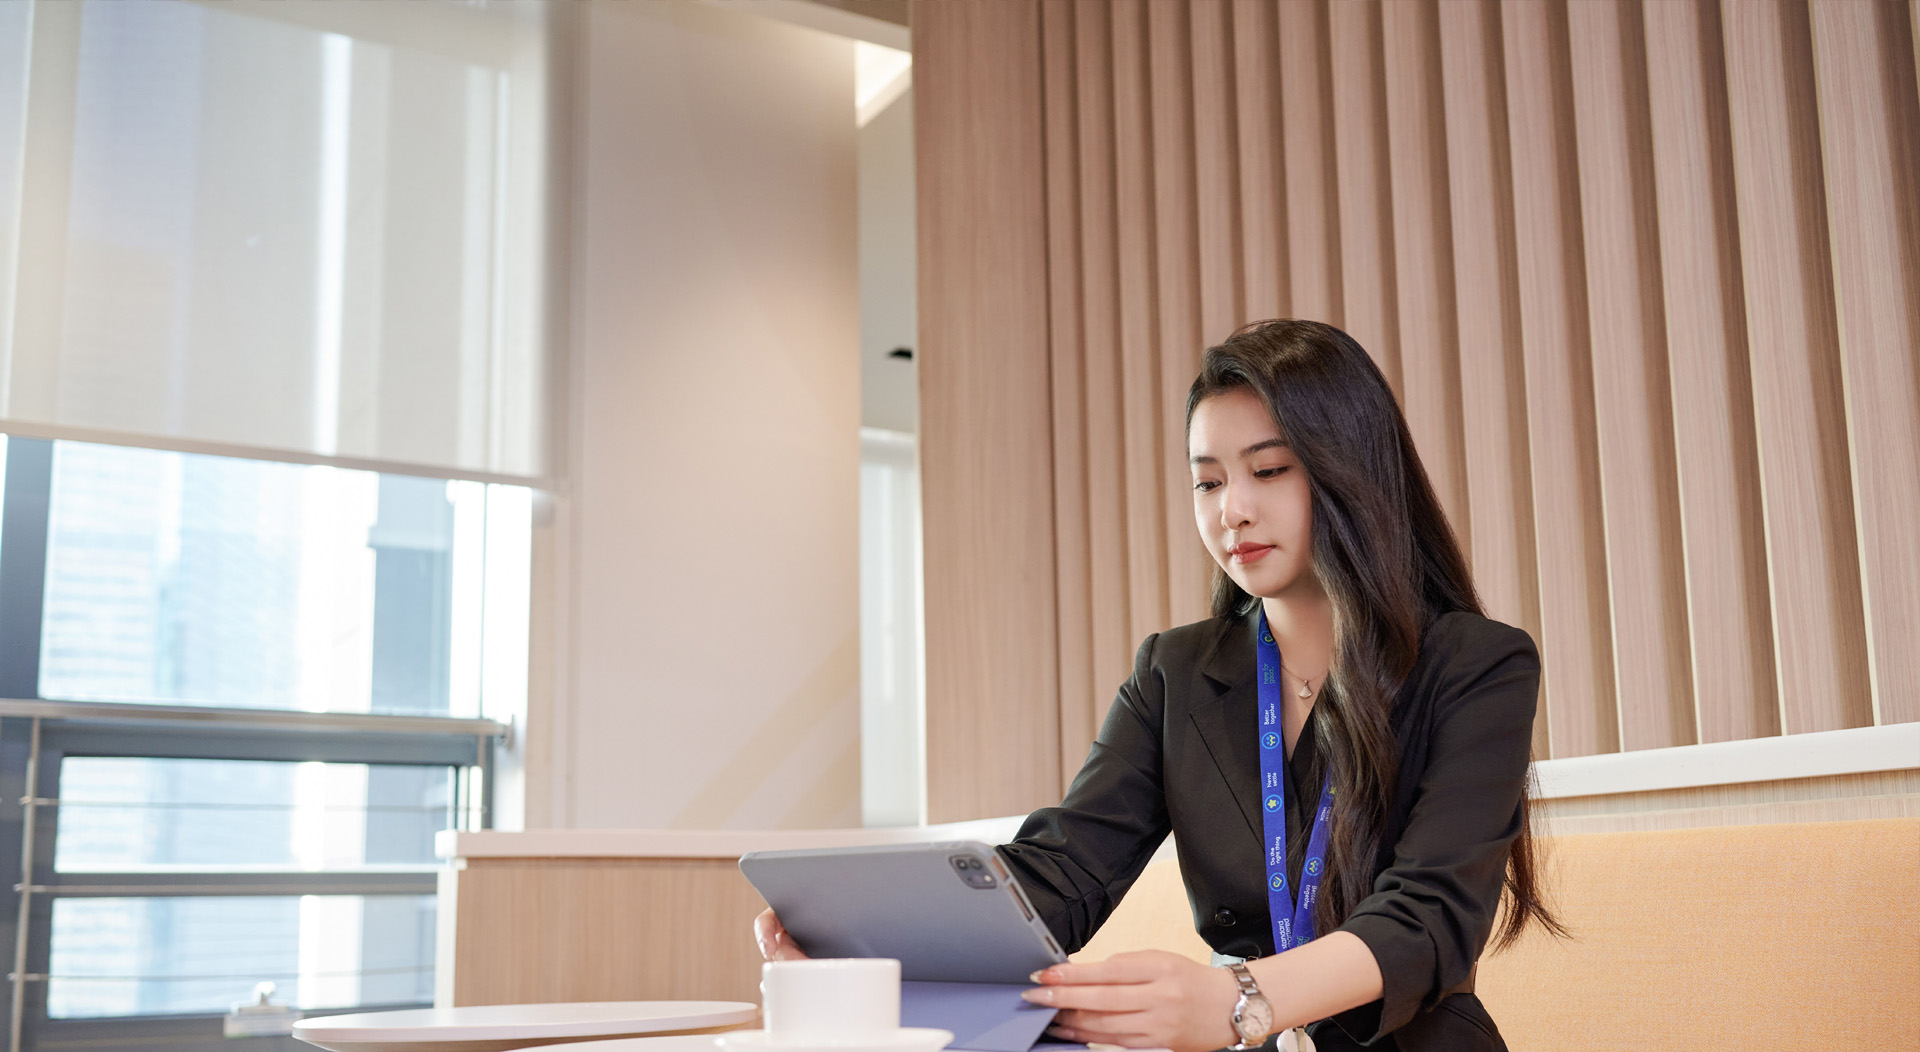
(1235, 512)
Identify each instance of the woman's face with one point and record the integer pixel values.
(1250, 497)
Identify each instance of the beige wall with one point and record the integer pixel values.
(697, 660)
(889, 387)
(1646, 277)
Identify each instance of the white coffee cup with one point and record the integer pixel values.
(846, 1000)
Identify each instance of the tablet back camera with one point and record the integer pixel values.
(972, 870)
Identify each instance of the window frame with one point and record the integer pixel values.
(37, 734)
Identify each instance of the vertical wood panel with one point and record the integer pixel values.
(985, 410)
(1730, 626)
(1107, 520)
(1306, 119)
(1870, 126)
(1216, 171)
(1079, 698)
(1676, 421)
(1423, 251)
(1170, 67)
(1640, 499)
(1486, 286)
(1263, 213)
(1139, 360)
(1366, 205)
(1819, 630)
(1575, 648)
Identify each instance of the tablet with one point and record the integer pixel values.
(949, 912)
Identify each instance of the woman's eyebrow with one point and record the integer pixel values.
(1271, 443)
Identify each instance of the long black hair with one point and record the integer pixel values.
(1390, 565)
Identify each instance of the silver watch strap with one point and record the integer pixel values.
(1245, 978)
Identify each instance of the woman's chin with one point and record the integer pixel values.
(1260, 586)
(1274, 585)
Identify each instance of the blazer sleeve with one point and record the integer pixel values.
(1432, 909)
(1077, 860)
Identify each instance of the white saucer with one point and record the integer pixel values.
(905, 1039)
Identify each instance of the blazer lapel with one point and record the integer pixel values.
(1227, 721)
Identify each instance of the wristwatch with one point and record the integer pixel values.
(1252, 1014)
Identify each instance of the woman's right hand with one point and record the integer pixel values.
(775, 943)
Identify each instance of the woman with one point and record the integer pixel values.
(1346, 724)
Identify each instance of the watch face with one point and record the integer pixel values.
(1253, 1019)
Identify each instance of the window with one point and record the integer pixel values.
(892, 721)
(128, 956)
(247, 695)
(203, 580)
(272, 421)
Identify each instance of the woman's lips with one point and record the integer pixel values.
(1248, 553)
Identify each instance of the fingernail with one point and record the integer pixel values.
(1036, 977)
(1038, 997)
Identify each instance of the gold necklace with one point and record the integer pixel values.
(1306, 690)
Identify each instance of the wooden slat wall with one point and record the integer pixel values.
(993, 678)
(1574, 646)
(1723, 540)
(1870, 128)
(1141, 451)
(1256, 99)
(1634, 420)
(1106, 539)
(1306, 128)
(1487, 287)
(1369, 311)
(1646, 277)
(1793, 344)
(1177, 293)
(1423, 252)
(1068, 426)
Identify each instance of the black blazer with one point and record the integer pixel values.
(1178, 754)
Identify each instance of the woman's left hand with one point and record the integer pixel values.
(1145, 999)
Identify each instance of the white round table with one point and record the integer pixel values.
(497, 1028)
(663, 1043)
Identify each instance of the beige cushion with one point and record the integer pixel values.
(1732, 938)
(1737, 938)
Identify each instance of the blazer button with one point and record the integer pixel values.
(1225, 918)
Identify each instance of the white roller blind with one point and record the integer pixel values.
(296, 226)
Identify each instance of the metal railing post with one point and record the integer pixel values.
(30, 805)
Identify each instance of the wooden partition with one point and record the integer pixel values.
(581, 928)
(619, 915)
(1646, 277)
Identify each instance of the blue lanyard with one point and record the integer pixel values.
(1292, 922)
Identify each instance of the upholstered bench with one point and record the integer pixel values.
(1731, 937)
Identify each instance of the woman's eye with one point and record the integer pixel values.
(1267, 473)
(1204, 485)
